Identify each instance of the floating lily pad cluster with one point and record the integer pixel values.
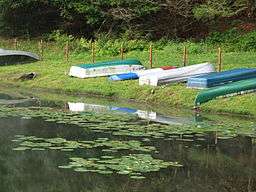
(35, 143)
(133, 165)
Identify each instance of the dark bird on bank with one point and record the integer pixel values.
(28, 76)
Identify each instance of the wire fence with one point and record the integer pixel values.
(150, 57)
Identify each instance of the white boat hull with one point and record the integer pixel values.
(176, 75)
(79, 72)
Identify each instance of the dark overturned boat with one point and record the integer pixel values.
(228, 90)
(10, 57)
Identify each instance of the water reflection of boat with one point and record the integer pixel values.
(16, 100)
(147, 115)
(153, 116)
(81, 107)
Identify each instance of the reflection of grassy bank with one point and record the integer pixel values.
(53, 69)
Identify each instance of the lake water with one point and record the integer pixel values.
(70, 144)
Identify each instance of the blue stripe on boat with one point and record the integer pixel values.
(215, 79)
(124, 109)
(124, 76)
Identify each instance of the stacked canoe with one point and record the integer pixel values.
(231, 89)
(216, 79)
(223, 84)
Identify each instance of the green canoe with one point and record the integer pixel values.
(111, 63)
(226, 90)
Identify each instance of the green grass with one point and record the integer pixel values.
(53, 71)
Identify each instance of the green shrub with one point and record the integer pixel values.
(195, 48)
(230, 41)
(60, 38)
(247, 42)
(233, 40)
(230, 36)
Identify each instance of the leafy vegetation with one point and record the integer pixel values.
(134, 19)
(225, 8)
(233, 40)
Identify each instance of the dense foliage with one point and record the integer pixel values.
(132, 18)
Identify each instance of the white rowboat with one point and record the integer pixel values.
(105, 68)
(176, 75)
(138, 74)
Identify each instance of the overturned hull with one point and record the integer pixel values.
(138, 74)
(9, 57)
(221, 78)
(231, 89)
(176, 75)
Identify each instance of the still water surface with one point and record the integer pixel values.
(80, 146)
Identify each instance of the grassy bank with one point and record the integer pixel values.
(53, 70)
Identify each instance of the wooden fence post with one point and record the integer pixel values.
(41, 48)
(66, 52)
(15, 43)
(185, 56)
(93, 52)
(151, 56)
(219, 59)
(90, 44)
(122, 52)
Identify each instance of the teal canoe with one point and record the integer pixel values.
(226, 90)
(111, 63)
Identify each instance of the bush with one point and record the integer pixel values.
(233, 40)
(247, 42)
(230, 36)
(60, 38)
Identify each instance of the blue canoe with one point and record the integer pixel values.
(124, 76)
(216, 79)
(138, 74)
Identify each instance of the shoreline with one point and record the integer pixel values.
(52, 76)
(63, 92)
